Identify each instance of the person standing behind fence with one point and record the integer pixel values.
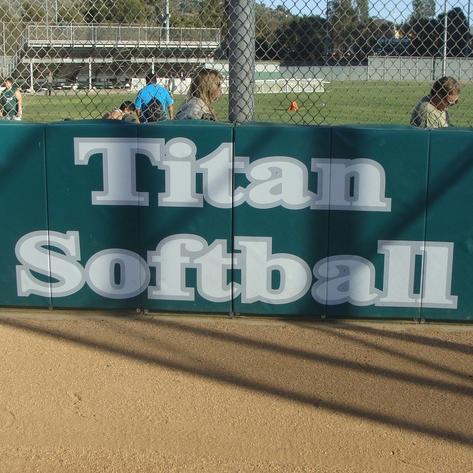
(432, 110)
(11, 101)
(153, 102)
(171, 86)
(49, 82)
(205, 88)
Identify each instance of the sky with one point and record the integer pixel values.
(397, 11)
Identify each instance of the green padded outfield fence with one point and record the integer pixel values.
(294, 221)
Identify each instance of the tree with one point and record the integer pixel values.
(362, 8)
(269, 25)
(182, 20)
(212, 14)
(458, 35)
(427, 34)
(31, 12)
(302, 40)
(423, 9)
(8, 13)
(369, 35)
(70, 14)
(115, 11)
(341, 29)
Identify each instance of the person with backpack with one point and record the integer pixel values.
(153, 102)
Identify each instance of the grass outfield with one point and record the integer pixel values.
(341, 103)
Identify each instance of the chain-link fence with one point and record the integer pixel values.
(294, 61)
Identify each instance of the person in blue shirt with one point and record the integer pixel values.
(153, 102)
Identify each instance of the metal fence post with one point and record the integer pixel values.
(241, 60)
(166, 21)
(90, 73)
(4, 42)
(31, 77)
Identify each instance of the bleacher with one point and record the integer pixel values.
(111, 52)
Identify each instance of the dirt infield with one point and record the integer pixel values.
(91, 393)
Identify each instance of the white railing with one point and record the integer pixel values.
(262, 86)
(121, 35)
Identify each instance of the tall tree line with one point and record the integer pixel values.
(426, 34)
(346, 33)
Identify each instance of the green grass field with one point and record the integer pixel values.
(341, 103)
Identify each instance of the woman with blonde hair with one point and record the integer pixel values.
(205, 88)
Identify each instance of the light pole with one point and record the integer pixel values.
(166, 20)
(468, 15)
(445, 35)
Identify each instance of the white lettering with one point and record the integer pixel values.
(49, 267)
(353, 184)
(171, 259)
(257, 265)
(63, 269)
(117, 274)
(278, 181)
(399, 271)
(119, 167)
(345, 278)
(180, 167)
(213, 268)
(342, 184)
(437, 276)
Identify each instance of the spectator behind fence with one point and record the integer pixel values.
(171, 86)
(153, 102)
(126, 113)
(11, 101)
(128, 110)
(113, 115)
(205, 88)
(432, 110)
(49, 82)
